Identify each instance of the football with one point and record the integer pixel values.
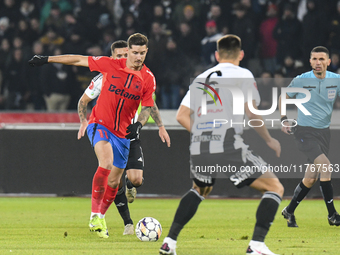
(148, 229)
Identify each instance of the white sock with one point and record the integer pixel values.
(170, 241)
(255, 243)
(101, 216)
(94, 214)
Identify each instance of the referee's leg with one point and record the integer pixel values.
(326, 169)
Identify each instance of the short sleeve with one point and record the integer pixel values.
(150, 87)
(293, 84)
(186, 99)
(95, 87)
(102, 64)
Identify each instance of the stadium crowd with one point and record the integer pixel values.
(277, 37)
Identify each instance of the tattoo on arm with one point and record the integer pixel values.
(82, 110)
(144, 114)
(156, 115)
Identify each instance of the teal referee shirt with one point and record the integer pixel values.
(323, 95)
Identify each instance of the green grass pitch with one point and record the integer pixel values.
(59, 225)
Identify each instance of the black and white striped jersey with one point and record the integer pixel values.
(217, 98)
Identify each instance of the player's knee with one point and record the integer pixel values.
(276, 187)
(207, 191)
(309, 182)
(280, 189)
(203, 191)
(113, 181)
(136, 181)
(106, 164)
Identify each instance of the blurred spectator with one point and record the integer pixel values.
(34, 29)
(94, 17)
(51, 39)
(157, 46)
(173, 80)
(215, 14)
(301, 10)
(141, 10)
(10, 10)
(18, 43)
(75, 44)
(218, 10)
(208, 44)
(72, 26)
(129, 26)
(280, 81)
(314, 29)
(288, 35)
(94, 50)
(160, 17)
(189, 43)
(168, 6)
(5, 51)
(265, 87)
(64, 6)
(190, 18)
(178, 13)
(24, 31)
(55, 19)
(28, 10)
(5, 30)
(117, 11)
(107, 40)
(34, 82)
(335, 63)
(15, 82)
(268, 45)
(243, 26)
(253, 11)
(334, 30)
(292, 5)
(57, 82)
(292, 67)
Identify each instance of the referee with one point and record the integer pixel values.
(312, 133)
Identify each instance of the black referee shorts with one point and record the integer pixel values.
(312, 141)
(136, 159)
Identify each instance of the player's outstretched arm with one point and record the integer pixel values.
(183, 117)
(284, 128)
(163, 134)
(262, 130)
(82, 112)
(75, 60)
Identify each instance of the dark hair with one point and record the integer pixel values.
(137, 39)
(229, 46)
(320, 49)
(118, 45)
